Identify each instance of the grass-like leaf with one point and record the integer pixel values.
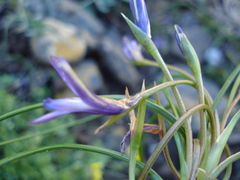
(21, 110)
(89, 148)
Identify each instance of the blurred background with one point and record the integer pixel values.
(88, 33)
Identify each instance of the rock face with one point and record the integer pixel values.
(59, 39)
(115, 62)
(69, 12)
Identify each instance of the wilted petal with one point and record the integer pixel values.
(139, 10)
(123, 143)
(152, 128)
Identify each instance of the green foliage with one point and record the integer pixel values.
(48, 165)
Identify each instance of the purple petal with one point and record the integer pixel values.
(178, 34)
(101, 105)
(74, 83)
(48, 117)
(78, 105)
(66, 104)
(139, 10)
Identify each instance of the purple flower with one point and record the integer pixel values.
(178, 35)
(86, 101)
(139, 10)
(132, 49)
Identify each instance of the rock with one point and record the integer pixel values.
(88, 72)
(69, 12)
(59, 39)
(115, 63)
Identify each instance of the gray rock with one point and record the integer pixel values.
(59, 39)
(115, 61)
(90, 74)
(69, 12)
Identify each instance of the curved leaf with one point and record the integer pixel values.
(90, 148)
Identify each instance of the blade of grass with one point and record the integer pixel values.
(218, 146)
(224, 164)
(165, 150)
(172, 130)
(64, 126)
(89, 148)
(136, 137)
(226, 85)
(234, 90)
(19, 111)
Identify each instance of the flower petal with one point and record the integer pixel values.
(178, 34)
(74, 83)
(76, 104)
(101, 105)
(48, 117)
(139, 10)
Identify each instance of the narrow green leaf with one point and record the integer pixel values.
(136, 138)
(64, 126)
(172, 130)
(217, 148)
(234, 91)
(21, 110)
(196, 159)
(89, 148)
(224, 164)
(226, 85)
